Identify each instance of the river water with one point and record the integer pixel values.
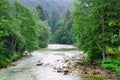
(45, 64)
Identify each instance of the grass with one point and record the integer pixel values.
(93, 77)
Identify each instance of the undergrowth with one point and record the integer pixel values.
(113, 64)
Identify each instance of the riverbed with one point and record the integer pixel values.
(44, 64)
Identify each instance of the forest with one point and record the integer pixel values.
(93, 26)
(20, 30)
(96, 30)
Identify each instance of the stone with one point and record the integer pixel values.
(66, 72)
(39, 64)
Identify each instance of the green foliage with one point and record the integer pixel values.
(45, 33)
(19, 32)
(40, 13)
(52, 21)
(28, 28)
(95, 23)
(115, 40)
(92, 57)
(4, 61)
(62, 36)
(62, 30)
(113, 64)
(44, 30)
(3, 24)
(3, 8)
(15, 56)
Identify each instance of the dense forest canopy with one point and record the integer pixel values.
(96, 29)
(57, 13)
(49, 6)
(24, 30)
(96, 23)
(20, 30)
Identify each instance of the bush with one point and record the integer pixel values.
(92, 57)
(113, 64)
(15, 56)
(4, 61)
(43, 44)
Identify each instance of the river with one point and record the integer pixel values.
(44, 64)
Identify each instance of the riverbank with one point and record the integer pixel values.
(88, 71)
(46, 64)
(57, 62)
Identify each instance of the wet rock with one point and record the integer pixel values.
(39, 61)
(66, 72)
(85, 72)
(59, 70)
(54, 68)
(39, 64)
(66, 61)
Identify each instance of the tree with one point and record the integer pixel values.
(91, 28)
(62, 30)
(63, 34)
(27, 27)
(19, 32)
(40, 11)
(44, 29)
(52, 21)
(3, 32)
(44, 34)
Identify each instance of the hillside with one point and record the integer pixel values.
(49, 6)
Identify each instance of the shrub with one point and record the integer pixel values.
(4, 61)
(15, 56)
(113, 64)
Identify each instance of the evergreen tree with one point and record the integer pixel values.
(40, 11)
(91, 28)
(52, 21)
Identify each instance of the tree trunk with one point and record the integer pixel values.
(103, 35)
(103, 52)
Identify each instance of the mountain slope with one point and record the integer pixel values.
(49, 6)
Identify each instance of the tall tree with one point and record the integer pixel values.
(3, 32)
(27, 25)
(40, 11)
(52, 21)
(91, 25)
